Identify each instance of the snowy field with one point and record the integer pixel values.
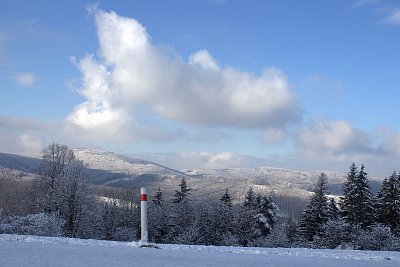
(18, 250)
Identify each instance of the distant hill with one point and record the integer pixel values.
(291, 188)
(18, 162)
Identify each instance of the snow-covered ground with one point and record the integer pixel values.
(18, 250)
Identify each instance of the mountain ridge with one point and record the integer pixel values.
(119, 170)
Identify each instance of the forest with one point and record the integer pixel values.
(59, 202)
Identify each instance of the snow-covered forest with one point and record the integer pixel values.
(60, 203)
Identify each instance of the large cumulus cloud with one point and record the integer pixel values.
(130, 78)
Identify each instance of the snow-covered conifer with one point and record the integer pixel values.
(357, 201)
(226, 198)
(388, 203)
(316, 212)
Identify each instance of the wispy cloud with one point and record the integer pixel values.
(25, 79)
(393, 18)
(390, 11)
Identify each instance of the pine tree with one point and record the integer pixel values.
(181, 217)
(316, 212)
(158, 218)
(357, 201)
(245, 226)
(222, 217)
(249, 199)
(226, 198)
(347, 202)
(158, 222)
(333, 210)
(266, 215)
(183, 193)
(388, 203)
(204, 224)
(290, 229)
(158, 198)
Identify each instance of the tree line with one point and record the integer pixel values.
(60, 203)
(359, 218)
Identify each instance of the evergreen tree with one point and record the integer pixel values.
(333, 210)
(226, 198)
(388, 203)
(183, 193)
(347, 201)
(289, 228)
(357, 201)
(249, 199)
(158, 219)
(245, 226)
(222, 217)
(181, 218)
(316, 212)
(204, 225)
(266, 215)
(158, 198)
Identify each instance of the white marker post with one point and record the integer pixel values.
(143, 215)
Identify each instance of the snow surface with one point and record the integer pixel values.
(19, 250)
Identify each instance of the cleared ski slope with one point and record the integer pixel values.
(18, 250)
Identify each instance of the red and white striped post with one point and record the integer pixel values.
(143, 215)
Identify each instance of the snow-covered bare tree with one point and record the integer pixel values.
(55, 159)
(61, 189)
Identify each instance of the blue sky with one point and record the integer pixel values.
(205, 84)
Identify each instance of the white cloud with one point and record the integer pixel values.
(208, 160)
(133, 78)
(393, 18)
(337, 140)
(203, 59)
(22, 135)
(388, 142)
(29, 143)
(390, 12)
(25, 79)
(328, 143)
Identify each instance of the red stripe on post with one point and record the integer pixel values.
(143, 197)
